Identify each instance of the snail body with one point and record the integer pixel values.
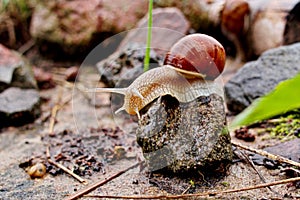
(158, 82)
(184, 78)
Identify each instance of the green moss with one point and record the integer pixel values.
(285, 127)
(224, 131)
(225, 184)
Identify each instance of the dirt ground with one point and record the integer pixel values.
(86, 124)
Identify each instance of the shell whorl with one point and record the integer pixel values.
(198, 53)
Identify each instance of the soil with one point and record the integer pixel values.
(88, 138)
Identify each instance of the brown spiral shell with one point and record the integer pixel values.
(198, 53)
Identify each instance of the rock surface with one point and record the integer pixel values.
(18, 106)
(291, 151)
(188, 136)
(75, 23)
(122, 67)
(15, 70)
(259, 77)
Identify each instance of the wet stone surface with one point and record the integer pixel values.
(289, 149)
(18, 106)
(15, 70)
(187, 136)
(124, 66)
(257, 78)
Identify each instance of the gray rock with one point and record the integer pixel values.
(15, 70)
(257, 78)
(18, 106)
(182, 137)
(122, 67)
(291, 151)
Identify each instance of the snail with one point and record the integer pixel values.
(188, 72)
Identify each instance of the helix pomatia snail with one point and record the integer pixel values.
(188, 71)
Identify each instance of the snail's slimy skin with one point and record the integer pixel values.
(158, 82)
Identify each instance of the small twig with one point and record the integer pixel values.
(98, 184)
(81, 180)
(28, 45)
(54, 112)
(250, 162)
(210, 193)
(187, 189)
(53, 119)
(11, 31)
(291, 169)
(262, 178)
(268, 155)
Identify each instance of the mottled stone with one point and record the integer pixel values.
(18, 106)
(77, 23)
(291, 151)
(122, 67)
(183, 137)
(257, 78)
(15, 70)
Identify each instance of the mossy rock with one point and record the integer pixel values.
(183, 137)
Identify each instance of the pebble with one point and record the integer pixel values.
(18, 106)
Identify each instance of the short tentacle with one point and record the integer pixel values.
(120, 109)
(112, 90)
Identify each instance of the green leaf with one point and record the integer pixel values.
(285, 97)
